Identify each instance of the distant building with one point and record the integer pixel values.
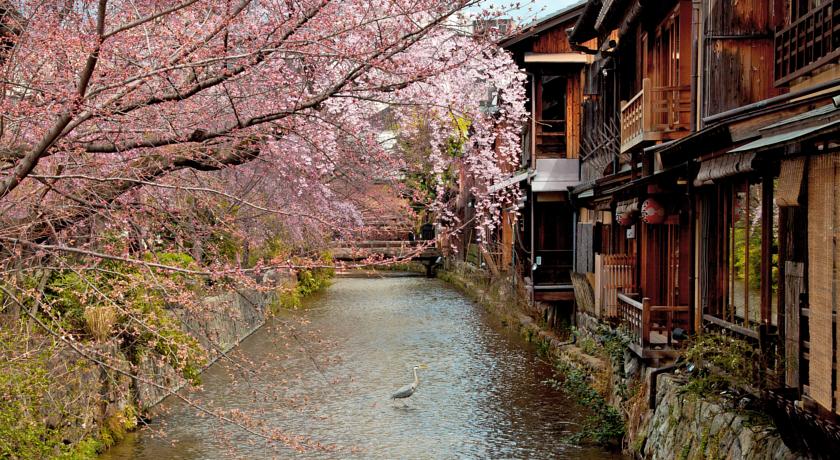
(496, 28)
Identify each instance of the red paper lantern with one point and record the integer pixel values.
(625, 218)
(652, 212)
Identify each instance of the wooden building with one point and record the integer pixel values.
(682, 175)
(710, 181)
(542, 238)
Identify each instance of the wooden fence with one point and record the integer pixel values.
(614, 273)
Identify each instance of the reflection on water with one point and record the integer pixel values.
(326, 374)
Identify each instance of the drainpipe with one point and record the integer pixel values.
(513, 272)
(533, 165)
(574, 237)
(692, 256)
(533, 256)
(653, 374)
(574, 254)
(696, 63)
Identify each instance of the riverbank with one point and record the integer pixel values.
(593, 362)
(76, 400)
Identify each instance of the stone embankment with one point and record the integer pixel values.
(98, 403)
(687, 427)
(682, 426)
(223, 322)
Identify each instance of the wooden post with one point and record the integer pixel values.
(794, 285)
(647, 106)
(599, 280)
(766, 249)
(488, 259)
(645, 322)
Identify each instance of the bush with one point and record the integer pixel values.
(24, 385)
(606, 425)
(723, 363)
(93, 305)
(309, 281)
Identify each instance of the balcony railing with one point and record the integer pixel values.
(655, 113)
(651, 328)
(808, 43)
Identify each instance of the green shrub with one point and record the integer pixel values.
(308, 282)
(723, 362)
(24, 386)
(605, 426)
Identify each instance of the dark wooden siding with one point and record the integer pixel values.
(584, 248)
(739, 53)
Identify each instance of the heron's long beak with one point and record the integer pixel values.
(423, 366)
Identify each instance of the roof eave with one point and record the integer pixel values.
(584, 28)
(544, 24)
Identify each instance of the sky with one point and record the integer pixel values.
(530, 9)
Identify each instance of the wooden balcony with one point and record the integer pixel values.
(808, 43)
(651, 328)
(655, 114)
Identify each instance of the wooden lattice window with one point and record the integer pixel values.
(799, 8)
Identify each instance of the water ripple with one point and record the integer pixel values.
(481, 396)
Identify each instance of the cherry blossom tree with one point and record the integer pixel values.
(183, 138)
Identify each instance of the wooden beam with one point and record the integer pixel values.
(554, 296)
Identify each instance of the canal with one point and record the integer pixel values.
(326, 373)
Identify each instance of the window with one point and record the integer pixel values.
(666, 52)
(800, 8)
(734, 264)
(553, 230)
(663, 264)
(551, 123)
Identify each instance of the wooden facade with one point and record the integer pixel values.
(727, 116)
(707, 137)
(543, 237)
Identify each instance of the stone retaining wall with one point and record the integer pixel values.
(685, 427)
(223, 322)
(96, 405)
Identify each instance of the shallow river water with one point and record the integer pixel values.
(326, 373)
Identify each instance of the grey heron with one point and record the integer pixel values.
(409, 389)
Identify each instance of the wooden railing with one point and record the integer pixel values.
(670, 108)
(808, 43)
(616, 273)
(653, 113)
(651, 326)
(633, 117)
(634, 316)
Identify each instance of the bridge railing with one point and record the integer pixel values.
(360, 250)
(381, 244)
